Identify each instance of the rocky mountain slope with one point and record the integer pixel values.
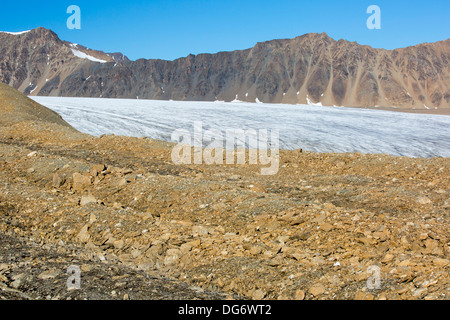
(312, 69)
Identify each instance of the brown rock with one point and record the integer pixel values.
(297, 220)
(97, 169)
(326, 227)
(255, 250)
(200, 230)
(302, 236)
(57, 180)
(258, 294)
(363, 296)
(299, 295)
(123, 182)
(172, 256)
(423, 200)
(80, 182)
(317, 289)
(119, 244)
(440, 262)
(85, 200)
(49, 274)
(258, 188)
(84, 235)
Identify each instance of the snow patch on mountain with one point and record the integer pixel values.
(310, 103)
(15, 33)
(83, 55)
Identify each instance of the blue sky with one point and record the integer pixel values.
(169, 29)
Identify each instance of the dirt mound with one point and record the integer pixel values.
(16, 107)
(24, 118)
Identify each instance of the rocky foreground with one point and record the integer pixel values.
(140, 227)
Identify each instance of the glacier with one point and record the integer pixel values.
(311, 128)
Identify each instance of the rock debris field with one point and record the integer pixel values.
(327, 226)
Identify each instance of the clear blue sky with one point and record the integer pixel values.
(169, 29)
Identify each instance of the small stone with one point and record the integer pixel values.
(303, 236)
(18, 280)
(388, 258)
(318, 261)
(317, 289)
(172, 256)
(57, 180)
(194, 243)
(363, 296)
(126, 171)
(200, 230)
(258, 188)
(326, 227)
(403, 289)
(255, 250)
(275, 262)
(80, 182)
(92, 218)
(440, 262)
(297, 220)
(86, 267)
(299, 295)
(258, 294)
(49, 274)
(423, 200)
(97, 169)
(117, 205)
(423, 236)
(419, 292)
(16, 283)
(404, 263)
(85, 200)
(136, 253)
(84, 235)
(3, 267)
(119, 244)
(32, 154)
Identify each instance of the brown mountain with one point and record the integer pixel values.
(313, 68)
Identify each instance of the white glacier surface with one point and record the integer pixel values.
(312, 128)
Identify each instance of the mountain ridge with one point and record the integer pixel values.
(309, 69)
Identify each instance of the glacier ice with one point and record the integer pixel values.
(312, 128)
